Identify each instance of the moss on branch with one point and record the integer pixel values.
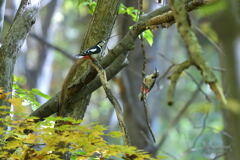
(194, 48)
(177, 71)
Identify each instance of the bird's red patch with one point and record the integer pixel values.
(144, 90)
(87, 57)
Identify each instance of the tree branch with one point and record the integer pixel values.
(81, 73)
(176, 119)
(115, 56)
(49, 45)
(194, 48)
(46, 43)
(25, 18)
(178, 70)
(50, 107)
(112, 99)
(14, 39)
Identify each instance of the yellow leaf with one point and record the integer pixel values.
(1, 90)
(2, 94)
(15, 101)
(115, 134)
(30, 138)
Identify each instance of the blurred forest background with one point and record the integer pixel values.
(196, 127)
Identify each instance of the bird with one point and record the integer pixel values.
(96, 49)
(147, 84)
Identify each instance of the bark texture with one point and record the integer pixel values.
(13, 41)
(129, 89)
(114, 61)
(81, 72)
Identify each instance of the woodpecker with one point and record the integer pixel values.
(92, 50)
(147, 84)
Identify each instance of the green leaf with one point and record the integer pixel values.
(148, 35)
(130, 10)
(122, 9)
(20, 80)
(39, 93)
(92, 6)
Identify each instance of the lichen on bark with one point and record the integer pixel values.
(194, 49)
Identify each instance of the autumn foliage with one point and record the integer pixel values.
(30, 138)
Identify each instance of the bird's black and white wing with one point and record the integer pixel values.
(92, 50)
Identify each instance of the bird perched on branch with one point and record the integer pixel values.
(147, 84)
(92, 50)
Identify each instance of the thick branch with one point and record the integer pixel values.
(81, 73)
(194, 48)
(20, 27)
(117, 53)
(50, 107)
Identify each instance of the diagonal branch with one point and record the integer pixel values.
(50, 107)
(46, 43)
(194, 48)
(116, 56)
(179, 115)
(112, 99)
(49, 45)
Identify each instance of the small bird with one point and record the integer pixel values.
(147, 85)
(92, 50)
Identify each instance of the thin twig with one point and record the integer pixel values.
(147, 119)
(145, 107)
(219, 50)
(178, 117)
(49, 45)
(199, 135)
(112, 99)
(188, 74)
(200, 88)
(43, 41)
(201, 132)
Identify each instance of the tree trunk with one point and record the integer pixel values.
(134, 115)
(228, 33)
(13, 42)
(99, 29)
